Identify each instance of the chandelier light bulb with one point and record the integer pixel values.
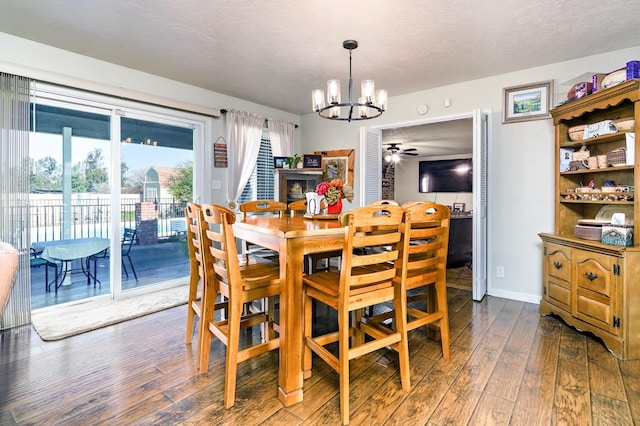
(367, 89)
(317, 99)
(333, 92)
(381, 99)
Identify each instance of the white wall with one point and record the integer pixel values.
(45, 63)
(520, 163)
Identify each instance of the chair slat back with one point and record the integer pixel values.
(262, 206)
(192, 215)
(429, 242)
(374, 246)
(221, 257)
(299, 207)
(128, 237)
(384, 203)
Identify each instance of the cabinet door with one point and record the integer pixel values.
(594, 300)
(557, 271)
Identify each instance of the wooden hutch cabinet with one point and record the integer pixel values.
(592, 286)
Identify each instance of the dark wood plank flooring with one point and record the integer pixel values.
(509, 366)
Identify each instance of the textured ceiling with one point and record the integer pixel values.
(275, 52)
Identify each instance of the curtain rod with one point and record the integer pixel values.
(224, 111)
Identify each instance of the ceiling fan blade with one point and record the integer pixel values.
(410, 153)
(409, 149)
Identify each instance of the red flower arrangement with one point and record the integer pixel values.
(333, 193)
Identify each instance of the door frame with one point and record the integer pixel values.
(480, 283)
(117, 107)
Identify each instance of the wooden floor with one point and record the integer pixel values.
(508, 366)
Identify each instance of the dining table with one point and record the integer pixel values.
(292, 237)
(70, 249)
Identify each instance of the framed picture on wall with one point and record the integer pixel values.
(279, 162)
(337, 164)
(312, 161)
(527, 102)
(458, 207)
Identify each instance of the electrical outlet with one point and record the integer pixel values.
(500, 271)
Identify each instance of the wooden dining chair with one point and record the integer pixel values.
(297, 207)
(261, 207)
(197, 277)
(426, 283)
(238, 284)
(384, 203)
(311, 261)
(367, 277)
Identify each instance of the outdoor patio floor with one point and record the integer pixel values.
(153, 264)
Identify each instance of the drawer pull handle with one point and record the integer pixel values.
(590, 276)
(558, 265)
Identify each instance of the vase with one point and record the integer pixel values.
(314, 202)
(335, 208)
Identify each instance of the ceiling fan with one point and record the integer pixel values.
(394, 148)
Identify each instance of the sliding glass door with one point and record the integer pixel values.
(109, 183)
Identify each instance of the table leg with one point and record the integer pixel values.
(290, 378)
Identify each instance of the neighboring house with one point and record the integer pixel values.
(156, 183)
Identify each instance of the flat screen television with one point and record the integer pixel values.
(446, 175)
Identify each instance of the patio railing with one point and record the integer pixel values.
(92, 218)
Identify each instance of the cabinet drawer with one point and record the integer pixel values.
(594, 309)
(559, 294)
(593, 272)
(559, 262)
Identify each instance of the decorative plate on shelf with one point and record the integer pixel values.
(605, 213)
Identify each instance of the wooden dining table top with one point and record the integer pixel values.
(292, 237)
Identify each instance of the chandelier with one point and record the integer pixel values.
(371, 103)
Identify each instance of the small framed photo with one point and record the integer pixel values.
(458, 207)
(312, 161)
(527, 102)
(279, 162)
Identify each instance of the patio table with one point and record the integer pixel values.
(71, 249)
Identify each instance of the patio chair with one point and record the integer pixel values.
(35, 261)
(128, 238)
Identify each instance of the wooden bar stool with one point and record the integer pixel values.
(367, 276)
(427, 271)
(237, 284)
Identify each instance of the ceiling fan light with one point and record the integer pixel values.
(395, 157)
(381, 99)
(367, 91)
(333, 92)
(387, 157)
(317, 99)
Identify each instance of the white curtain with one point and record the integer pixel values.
(14, 191)
(281, 137)
(244, 132)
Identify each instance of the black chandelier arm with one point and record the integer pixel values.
(351, 106)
